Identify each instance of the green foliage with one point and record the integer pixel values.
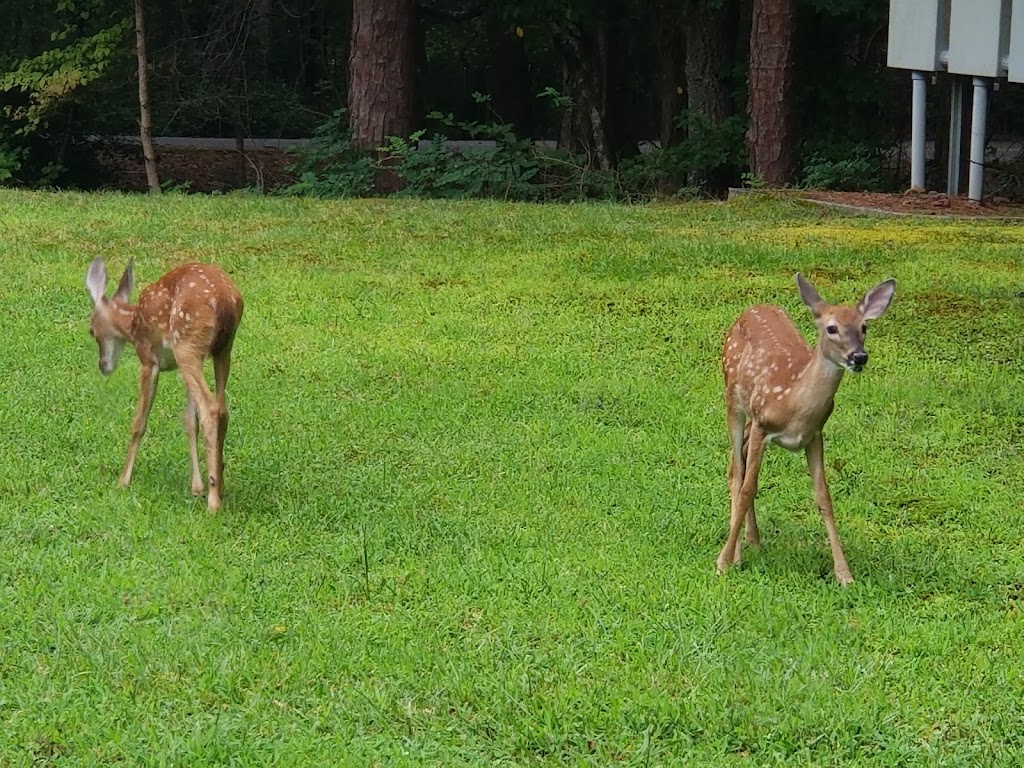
(476, 484)
(512, 168)
(50, 78)
(330, 166)
(842, 167)
(708, 146)
(506, 171)
(557, 99)
(12, 155)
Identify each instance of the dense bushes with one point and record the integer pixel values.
(505, 166)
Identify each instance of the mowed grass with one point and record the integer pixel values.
(475, 480)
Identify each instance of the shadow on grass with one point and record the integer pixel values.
(910, 565)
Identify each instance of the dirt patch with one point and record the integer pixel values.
(949, 305)
(915, 204)
(198, 170)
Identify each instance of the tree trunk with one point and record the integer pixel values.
(669, 65)
(708, 31)
(707, 41)
(381, 71)
(771, 137)
(145, 117)
(619, 75)
(583, 123)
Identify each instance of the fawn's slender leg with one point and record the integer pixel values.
(209, 409)
(745, 492)
(815, 452)
(221, 369)
(147, 391)
(753, 533)
(191, 429)
(737, 465)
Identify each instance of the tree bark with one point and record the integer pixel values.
(670, 68)
(145, 116)
(707, 40)
(381, 71)
(708, 32)
(584, 130)
(771, 137)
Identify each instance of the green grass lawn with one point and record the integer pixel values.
(475, 488)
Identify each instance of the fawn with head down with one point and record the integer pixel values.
(189, 314)
(779, 390)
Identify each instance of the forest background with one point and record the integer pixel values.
(630, 99)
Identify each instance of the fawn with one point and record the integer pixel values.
(189, 314)
(778, 389)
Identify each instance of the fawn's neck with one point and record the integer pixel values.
(122, 315)
(819, 381)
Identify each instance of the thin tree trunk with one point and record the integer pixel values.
(381, 71)
(145, 117)
(771, 137)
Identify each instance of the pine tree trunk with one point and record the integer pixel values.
(708, 31)
(145, 117)
(381, 71)
(771, 137)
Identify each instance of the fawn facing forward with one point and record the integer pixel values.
(189, 314)
(778, 389)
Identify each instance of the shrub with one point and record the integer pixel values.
(330, 166)
(847, 168)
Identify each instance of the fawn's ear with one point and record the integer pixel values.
(124, 288)
(809, 295)
(96, 280)
(876, 301)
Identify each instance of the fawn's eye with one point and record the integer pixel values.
(863, 330)
(831, 330)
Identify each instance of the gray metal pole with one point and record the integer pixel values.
(956, 128)
(917, 133)
(976, 180)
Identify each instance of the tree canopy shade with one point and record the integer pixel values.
(805, 81)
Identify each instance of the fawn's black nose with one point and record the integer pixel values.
(859, 359)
